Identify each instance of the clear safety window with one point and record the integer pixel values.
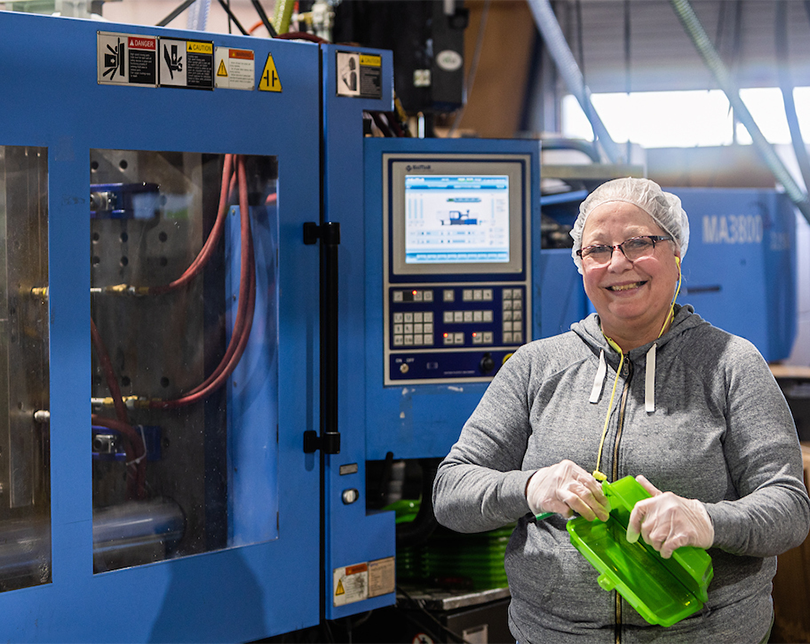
(184, 339)
(25, 492)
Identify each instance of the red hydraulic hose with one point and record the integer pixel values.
(210, 245)
(245, 311)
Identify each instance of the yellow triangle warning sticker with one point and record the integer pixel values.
(269, 81)
(340, 590)
(222, 71)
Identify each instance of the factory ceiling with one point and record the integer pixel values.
(640, 45)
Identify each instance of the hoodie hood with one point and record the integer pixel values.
(590, 331)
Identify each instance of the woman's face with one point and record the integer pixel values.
(631, 298)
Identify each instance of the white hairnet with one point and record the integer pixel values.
(664, 207)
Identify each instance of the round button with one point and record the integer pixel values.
(403, 368)
(350, 496)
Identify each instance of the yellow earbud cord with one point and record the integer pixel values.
(597, 474)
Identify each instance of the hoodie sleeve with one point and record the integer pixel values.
(763, 456)
(479, 485)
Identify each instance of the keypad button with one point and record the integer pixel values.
(417, 296)
(417, 339)
(517, 305)
(517, 294)
(449, 295)
(507, 293)
(397, 317)
(397, 296)
(517, 326)
(427, 339)
(468, 316)
(467, 295)
(417, 328)
(398, 328)
(459, 339)
(417, 317)
(478, 295)
(408, 328)
(428, 327)
(507, 305)
(507, 315)
(408, 317)
(448, 317)
(428, 317)
(488, 337)
(408, 340)
(448, 338)
(458, 316)
(487, 316)
(517, 315)
(487, 295)
(478, 316)
(477, 338)
(398, 340)
(507, 338)
(428, 296)
(507, 326)
(517, 337)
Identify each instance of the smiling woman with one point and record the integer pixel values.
(643, 387)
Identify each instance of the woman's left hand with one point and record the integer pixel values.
(667, 521)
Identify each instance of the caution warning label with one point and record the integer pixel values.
(236, 68)
(350, 584)
(359, 75)
(186, 63)
(126, 59)
(269, 81)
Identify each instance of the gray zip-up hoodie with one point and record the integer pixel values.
(708, 422)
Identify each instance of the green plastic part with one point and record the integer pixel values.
(663, 591)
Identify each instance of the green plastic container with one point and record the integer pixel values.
(663, 591)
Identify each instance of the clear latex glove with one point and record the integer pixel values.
(667, 521)
(566, 488)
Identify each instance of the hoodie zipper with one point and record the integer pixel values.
(628, 375)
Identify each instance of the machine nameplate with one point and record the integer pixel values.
(381, 577)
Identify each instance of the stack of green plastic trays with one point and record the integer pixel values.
(473, 561)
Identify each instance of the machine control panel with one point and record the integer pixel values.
(457, 252)
(453, 331)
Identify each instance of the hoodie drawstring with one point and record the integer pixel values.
(597, 474)
(599, 380)
(649, 381)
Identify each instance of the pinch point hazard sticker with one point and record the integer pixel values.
(186, 63)
(126, 59)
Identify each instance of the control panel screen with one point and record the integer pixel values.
(456, 219)
(455, 216)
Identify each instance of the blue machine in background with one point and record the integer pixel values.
(740, 269)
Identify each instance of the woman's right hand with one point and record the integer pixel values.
(566, 488)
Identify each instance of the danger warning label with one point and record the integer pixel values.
(126, 59)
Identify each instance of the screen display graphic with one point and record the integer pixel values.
(456, 219)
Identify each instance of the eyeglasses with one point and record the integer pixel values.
(633, 249)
